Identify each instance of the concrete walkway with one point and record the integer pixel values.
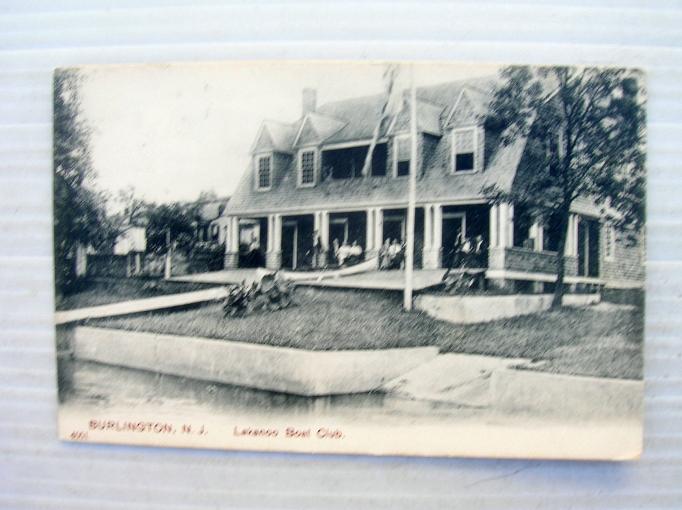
(382, 280)
(462, 379)
(140, 305)
(374, 280)
(227, 276)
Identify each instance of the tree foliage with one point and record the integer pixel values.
(79, 210)
(585, 136)
(175, 222)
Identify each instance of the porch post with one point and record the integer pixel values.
(494, 227)
(431, 252)
(268, 248)
(500, 223)
(378, 227)
(428, 228)
(510, 226)
(572, 236)
(506, 226)
(539, 235)
(437, 241)
(371, 247)
(232, 243)
(324, 237)
(317, 220)
(273, 258)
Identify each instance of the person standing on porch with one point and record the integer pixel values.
(454, 256)
(335, 250)
(317, 250)
(479, 251)
(385, 255)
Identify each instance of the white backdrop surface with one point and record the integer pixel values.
(37, 471)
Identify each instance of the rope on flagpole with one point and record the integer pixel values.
(412, 194)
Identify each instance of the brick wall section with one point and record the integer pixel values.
(627, 263)
(521, 259)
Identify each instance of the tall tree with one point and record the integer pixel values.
(79, 210)
(585, 136)
(134, 208)
(174, 222)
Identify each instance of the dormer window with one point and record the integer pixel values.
(464, 142)
(401, 160)
(306, 167)
(264, 172)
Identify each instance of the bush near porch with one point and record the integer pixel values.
(602, 341)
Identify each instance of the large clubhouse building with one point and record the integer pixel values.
(306, 181)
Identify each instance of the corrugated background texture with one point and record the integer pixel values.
(37, 471)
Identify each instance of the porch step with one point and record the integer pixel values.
(462, 379)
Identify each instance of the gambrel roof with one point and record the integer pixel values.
(440, 108)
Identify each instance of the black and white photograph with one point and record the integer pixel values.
(367, 257)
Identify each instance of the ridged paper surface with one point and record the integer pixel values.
(38, 471)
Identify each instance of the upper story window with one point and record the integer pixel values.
(264, 172)
(464, 149)
(401, 164)
(306, 162)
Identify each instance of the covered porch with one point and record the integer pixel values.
(501, 239)
(312, 240)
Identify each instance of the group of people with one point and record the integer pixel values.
(347, 254)
(467, 252)
(340, 253)
(391, 254)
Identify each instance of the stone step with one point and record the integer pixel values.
(462, 379)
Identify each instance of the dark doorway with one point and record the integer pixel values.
(588, 247)
(454, 226)
(472, 222)
(253, 242)
(297, 242)
(347, 227)
(395, 227)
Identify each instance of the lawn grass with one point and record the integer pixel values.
(602, 341)
(103, 291)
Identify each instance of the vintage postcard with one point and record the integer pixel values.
(385, 258)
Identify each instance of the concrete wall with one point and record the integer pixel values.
(565, 396)
(285, 370)
(473, 309)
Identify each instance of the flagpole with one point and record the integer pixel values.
(409, 248)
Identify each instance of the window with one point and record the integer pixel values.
(348, 162)
(523, 228)
(402, 156)
(464, 149)
(609, 241)
(307, 168)
(264, 176)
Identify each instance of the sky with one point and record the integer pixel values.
(173, 131)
